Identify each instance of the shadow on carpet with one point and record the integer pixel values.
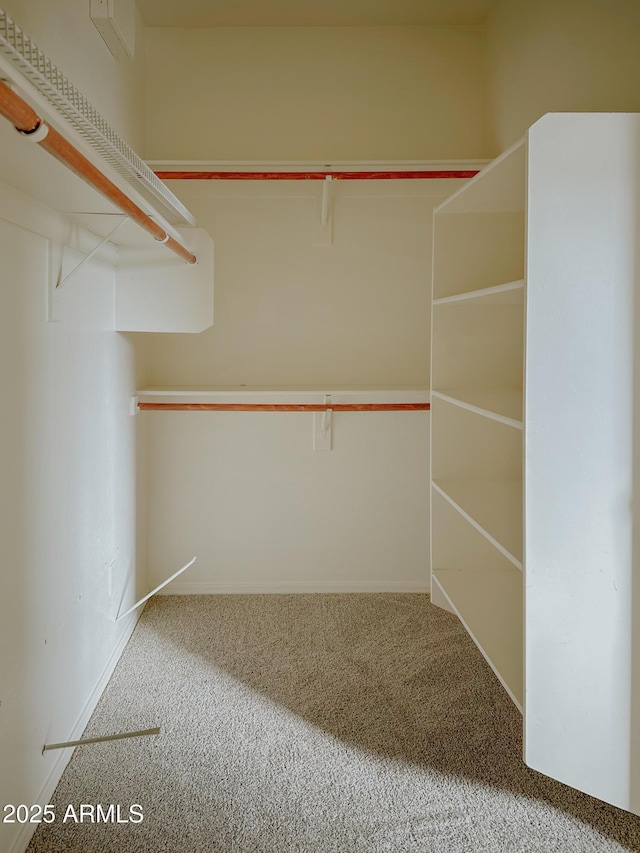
(319, 724)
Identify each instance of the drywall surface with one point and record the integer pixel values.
(246, 492)
(290, 310)
(263, 512)
(72, 497)
(72, 492)
(65, 32)
(315, 93)
(556, 56)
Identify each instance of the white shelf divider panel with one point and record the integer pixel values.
(582, 476)
(485, 591)
(478, 470)
(473, 448)
(502, 406)
(494, 508)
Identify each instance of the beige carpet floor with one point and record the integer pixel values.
(316, 724)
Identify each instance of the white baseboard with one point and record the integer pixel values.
(292, 587)
(23, 838)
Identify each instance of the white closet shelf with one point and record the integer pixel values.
(284, 394)
(502, 406)
(493, 507)
(510, 293)
(489, 604)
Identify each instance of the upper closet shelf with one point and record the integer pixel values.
(286, 395)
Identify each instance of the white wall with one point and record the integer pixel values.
(72, 519)
(315, 93)
(263, 512)
(73, 461)
(289, 311)
(245, 492)
(559, 55)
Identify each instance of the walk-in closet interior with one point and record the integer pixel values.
(307, 298)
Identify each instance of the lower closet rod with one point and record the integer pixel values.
(283, 407)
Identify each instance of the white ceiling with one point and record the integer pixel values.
(312, 13)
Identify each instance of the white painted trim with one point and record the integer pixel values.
(23, 838)
(293, 587)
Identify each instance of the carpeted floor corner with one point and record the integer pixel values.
(316, 724)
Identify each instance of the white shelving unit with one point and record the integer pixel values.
(535, 279)
(477, 368)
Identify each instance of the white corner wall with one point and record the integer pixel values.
(315, 93)
(559, 56)
(73, 488)
(73, 498)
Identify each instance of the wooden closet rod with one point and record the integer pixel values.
(283, 407)
(28, 122)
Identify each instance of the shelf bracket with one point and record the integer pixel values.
(91, 254)
(324, 231)
(322, 426)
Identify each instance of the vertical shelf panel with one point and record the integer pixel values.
(476, 444)
(576, 174)
(581, 463)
